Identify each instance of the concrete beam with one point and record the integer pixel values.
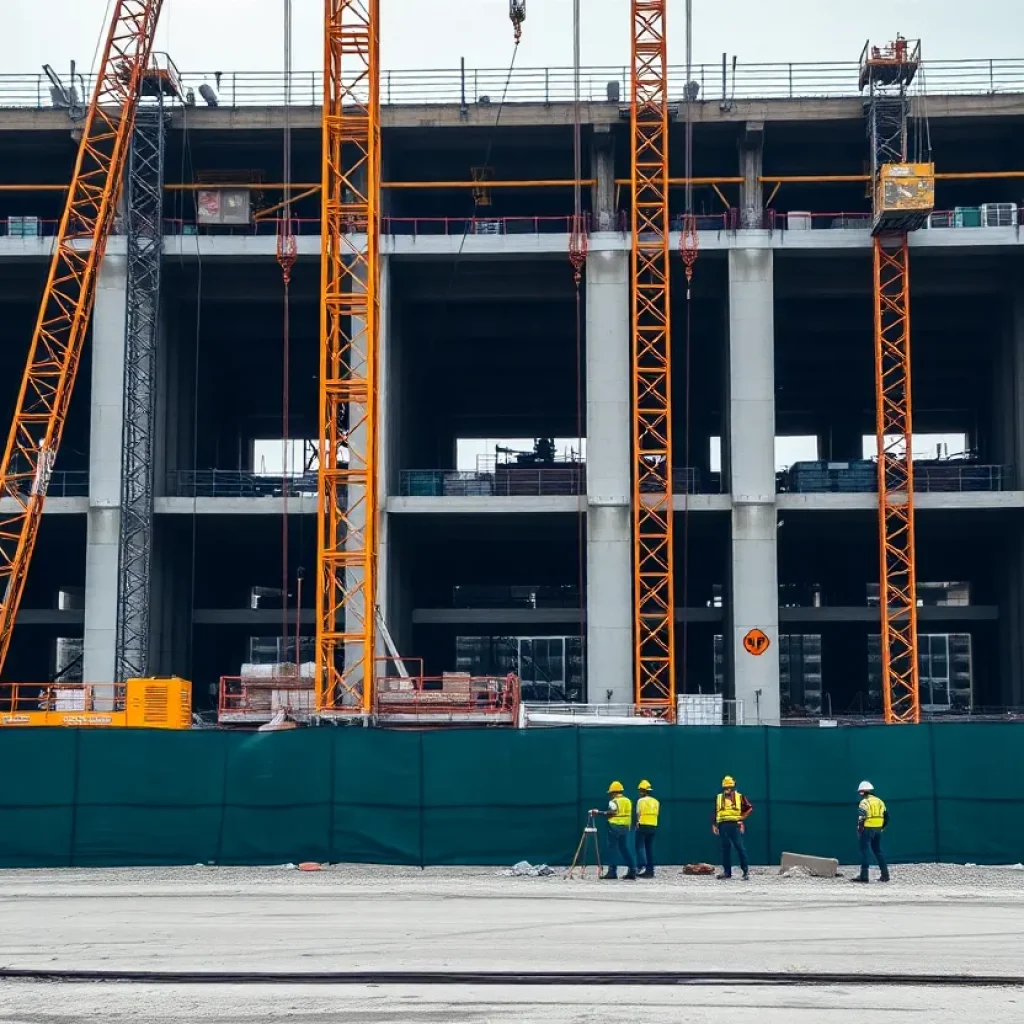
(602, 162)
(924, 501)
(485, 505)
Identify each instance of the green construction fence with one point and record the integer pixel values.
(79, 797)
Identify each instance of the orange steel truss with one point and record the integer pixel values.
(897, 571)
(653, 600)
(349, 325)
(68, 296)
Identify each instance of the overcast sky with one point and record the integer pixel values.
(245, 35)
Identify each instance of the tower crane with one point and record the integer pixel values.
(903, 194)
(68, 295)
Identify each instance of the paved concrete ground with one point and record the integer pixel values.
(69, 1004)
(936, 920)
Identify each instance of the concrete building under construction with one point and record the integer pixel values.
(506, 392)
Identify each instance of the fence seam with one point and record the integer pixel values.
(73, 838)
(219, 851)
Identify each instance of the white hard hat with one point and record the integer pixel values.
(865, 787)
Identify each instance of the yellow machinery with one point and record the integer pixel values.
(904, 196)
(138, 704)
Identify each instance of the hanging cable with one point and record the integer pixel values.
(286, 255)
(689, 241)
(578, 259)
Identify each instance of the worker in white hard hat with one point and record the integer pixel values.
(620, 822)
(872, 818)
(648, 808)
(731, 811)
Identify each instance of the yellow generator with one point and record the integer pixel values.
(164, 703)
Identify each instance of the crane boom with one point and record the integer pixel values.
(68, 296)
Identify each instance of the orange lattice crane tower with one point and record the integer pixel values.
(653, 582)
(903, 194)
(350, 333)
(68, 296)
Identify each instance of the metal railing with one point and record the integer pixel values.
(483, 86)
(67, 483)
(860, 477)
(478, 595)
(940, 220)
(459, 226)
(234, 483)
(513, 481)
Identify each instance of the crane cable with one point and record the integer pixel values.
(577, 260)
(286, 256)
(688, 248)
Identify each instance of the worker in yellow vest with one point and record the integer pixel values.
(872, 818)
(731, 811)
(620, 821)
(647, 810)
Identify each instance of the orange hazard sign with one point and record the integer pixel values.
(756, 642)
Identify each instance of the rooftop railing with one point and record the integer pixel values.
(718, 83)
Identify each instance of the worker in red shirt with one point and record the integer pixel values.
(731, 811)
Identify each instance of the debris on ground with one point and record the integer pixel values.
(524, 869)
(698, 869)
(310, 865)
(796, 871)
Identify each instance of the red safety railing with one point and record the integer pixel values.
(459, 226)
(70, 697)
(263, 696)
(452, 697)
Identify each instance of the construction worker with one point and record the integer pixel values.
(620, 820)
(872, 818)
(731, 811)
(647, 809)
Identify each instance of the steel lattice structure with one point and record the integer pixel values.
(897, 572)
(887, 74)
(350, 325)
(144, 195)
(653, 583)
(68, 296)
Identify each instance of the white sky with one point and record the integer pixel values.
(245, 35)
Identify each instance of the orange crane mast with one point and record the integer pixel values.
(653, 558)
(67, 301)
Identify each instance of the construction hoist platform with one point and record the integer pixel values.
(903, 195)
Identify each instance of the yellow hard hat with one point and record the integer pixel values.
(644, 784)
(728, 781)
(615, 787)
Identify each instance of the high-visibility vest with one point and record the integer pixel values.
(874, 810)
(728, 812)
(647, 811)
(623, 812)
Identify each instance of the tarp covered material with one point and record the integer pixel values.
(494, 796)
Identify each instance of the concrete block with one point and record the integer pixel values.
(819, 867)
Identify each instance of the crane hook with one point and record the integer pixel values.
(517, 14)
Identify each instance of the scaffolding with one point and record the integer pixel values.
(144, 229)
(653, 582)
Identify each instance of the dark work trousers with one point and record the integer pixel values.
(619, 851)
(871, 839)
(730, 835)
(645, 847)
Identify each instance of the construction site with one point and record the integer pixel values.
(484, 418)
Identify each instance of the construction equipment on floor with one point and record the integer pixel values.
(903, 195)
(588, 837)
(135, 704)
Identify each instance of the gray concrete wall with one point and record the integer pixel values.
(753, 563)
(609, 521)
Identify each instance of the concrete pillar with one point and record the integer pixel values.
(106, 416)
(754, 570)
(1007, 444)
(751, 163)
(602, 163)
(609, 520)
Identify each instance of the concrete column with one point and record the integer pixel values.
(751, 163)
(106, 416)
(609, 522)
(602, 160)
(754, 570)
